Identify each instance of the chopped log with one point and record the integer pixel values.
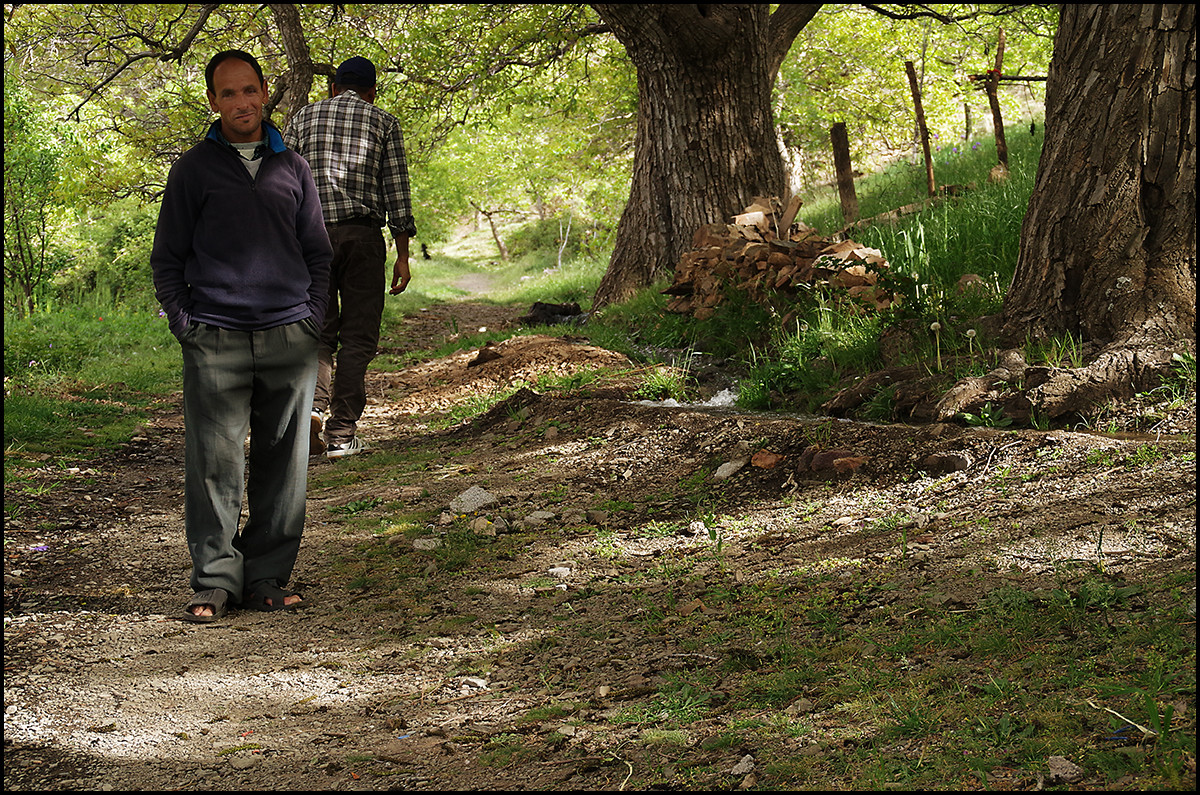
(789, 215)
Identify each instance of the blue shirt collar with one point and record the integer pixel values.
(274, 138)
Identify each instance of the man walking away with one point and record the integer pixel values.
(356, 151)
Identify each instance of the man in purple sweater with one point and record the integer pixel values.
(241, 267)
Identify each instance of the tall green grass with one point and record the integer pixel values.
(977, 231)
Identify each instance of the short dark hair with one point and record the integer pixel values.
(357, 89)
(225, 55)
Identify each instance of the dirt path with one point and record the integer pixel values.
(493, 644)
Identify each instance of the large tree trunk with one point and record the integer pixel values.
(705, 143)
(1108, 246)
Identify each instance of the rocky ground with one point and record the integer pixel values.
(508, 668)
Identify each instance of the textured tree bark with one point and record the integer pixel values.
(930, 182)
(292, 92)
(1108, 246)
(993, 83)
(705, 143)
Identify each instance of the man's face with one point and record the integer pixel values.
(238, 96)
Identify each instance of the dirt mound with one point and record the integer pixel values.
(493, 369)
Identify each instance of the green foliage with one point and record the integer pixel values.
(109, 263)
(977, 232)
(809, 357)
(989, 416)
(1063, 351)
(548, 236)
(662, 383)
(848, 65)
(827, 342)
(32, 161)
(641, 328)
(682, 699)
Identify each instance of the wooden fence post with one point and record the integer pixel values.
(924, 133)
(994, 100)
(845, 172)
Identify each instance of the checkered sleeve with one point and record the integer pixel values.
(394, 183)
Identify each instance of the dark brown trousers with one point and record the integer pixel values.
(357, 287)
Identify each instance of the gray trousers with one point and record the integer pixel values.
(357, 285)
(237, 383)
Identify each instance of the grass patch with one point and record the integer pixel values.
(77, 381)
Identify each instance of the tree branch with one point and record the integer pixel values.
(175, 53)
(786, 23)
(920, 11)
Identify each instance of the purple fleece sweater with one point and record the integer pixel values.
(239, 252)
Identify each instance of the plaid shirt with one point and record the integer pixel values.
(356, 151)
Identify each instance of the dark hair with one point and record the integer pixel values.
(355, 87)
(225, 55)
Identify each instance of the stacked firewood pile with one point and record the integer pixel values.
(771, 257)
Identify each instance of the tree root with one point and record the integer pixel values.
(1023, 392)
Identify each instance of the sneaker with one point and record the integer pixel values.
(316, 445)
(350, 447)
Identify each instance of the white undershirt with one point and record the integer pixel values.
(248, 160)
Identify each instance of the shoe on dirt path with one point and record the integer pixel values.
(268, 597)
(215, 598)
(352, 446)
(316, 445)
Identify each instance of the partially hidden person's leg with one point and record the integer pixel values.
(326, 349)
(362, 257)
(285, 373)
(216, 411)
(329, 333)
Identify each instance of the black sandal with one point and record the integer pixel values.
(216, 598)
(257, 599)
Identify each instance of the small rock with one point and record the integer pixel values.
(538, 518)
(800, 706)
(824, 460)
(244, 761)
(730, 468)
(945, 462)
(1061, 770)
(765, 459)
(472, 500)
